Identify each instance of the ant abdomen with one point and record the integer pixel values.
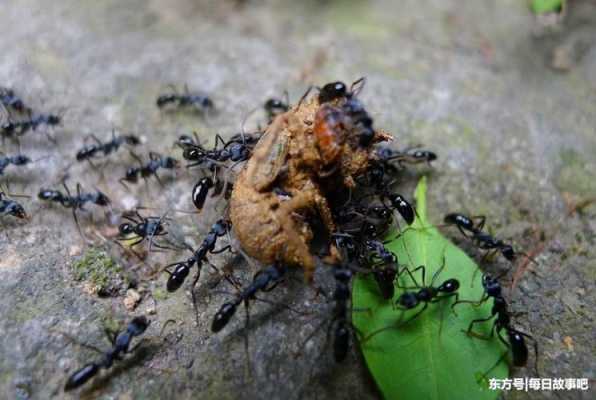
(223, 316)
(81, 376)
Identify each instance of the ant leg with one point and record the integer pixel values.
(74, 215)
(193, 295)
(310, 88)
(484, 298)
(411, 274)
(219, 139)
(358, 84)
(415, 315)
(481, 221)
(74, 340)
(437, 272)
(110, 334)
(246, 344)
(158, 179)
(136, 346)
(476, 321)
(221, 250)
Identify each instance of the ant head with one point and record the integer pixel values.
(54, 119)
(84, 153)
(126, 229)
(492, 287)
(275, 106)
(17, 210)
(342, 274)
(132, 140)
(47, 194)
(384, 152)
(449, 286)
(171, 162)
(370, 230)
(508, 252)
(425, 155)
(21, 159)
(332, 91)
(131, 174)
(207, 103)
(367, 137)
(220, 227)
(138, 325)
(223, 316)
(408, 300)
(193, 154)
(184, 141)
(102, 199)
(164, 99)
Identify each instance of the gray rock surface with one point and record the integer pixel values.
(468, 79)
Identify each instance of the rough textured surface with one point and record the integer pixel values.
(516, 140)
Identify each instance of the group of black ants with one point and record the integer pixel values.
(359, 238)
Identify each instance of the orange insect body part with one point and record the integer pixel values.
(329, 132)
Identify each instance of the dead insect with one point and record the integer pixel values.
(295, 158)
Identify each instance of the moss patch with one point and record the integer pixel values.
(100, 270)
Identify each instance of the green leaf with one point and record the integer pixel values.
(546, 6)
(430, 357)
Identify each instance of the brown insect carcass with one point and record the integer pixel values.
(303, 154)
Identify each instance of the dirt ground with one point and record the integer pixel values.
(509, 110)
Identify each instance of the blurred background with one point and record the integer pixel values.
(505, 95)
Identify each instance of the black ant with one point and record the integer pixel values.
(17, 160)
(14, 129)
(156, 161)
(515, 342)
(372, 257)
(230, 151)
(74, 202)
(182, 269)
(264, 280)
(341, 295)
(142, 228)
(337, 90)
(90, 151)
(482, 240)
(198, 102)
(11, 101)
(426, 294)
(409, 300)
(11, 207)
(120, 346)
(410, 155)
(274, 107)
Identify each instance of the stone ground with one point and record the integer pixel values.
(512, 116)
